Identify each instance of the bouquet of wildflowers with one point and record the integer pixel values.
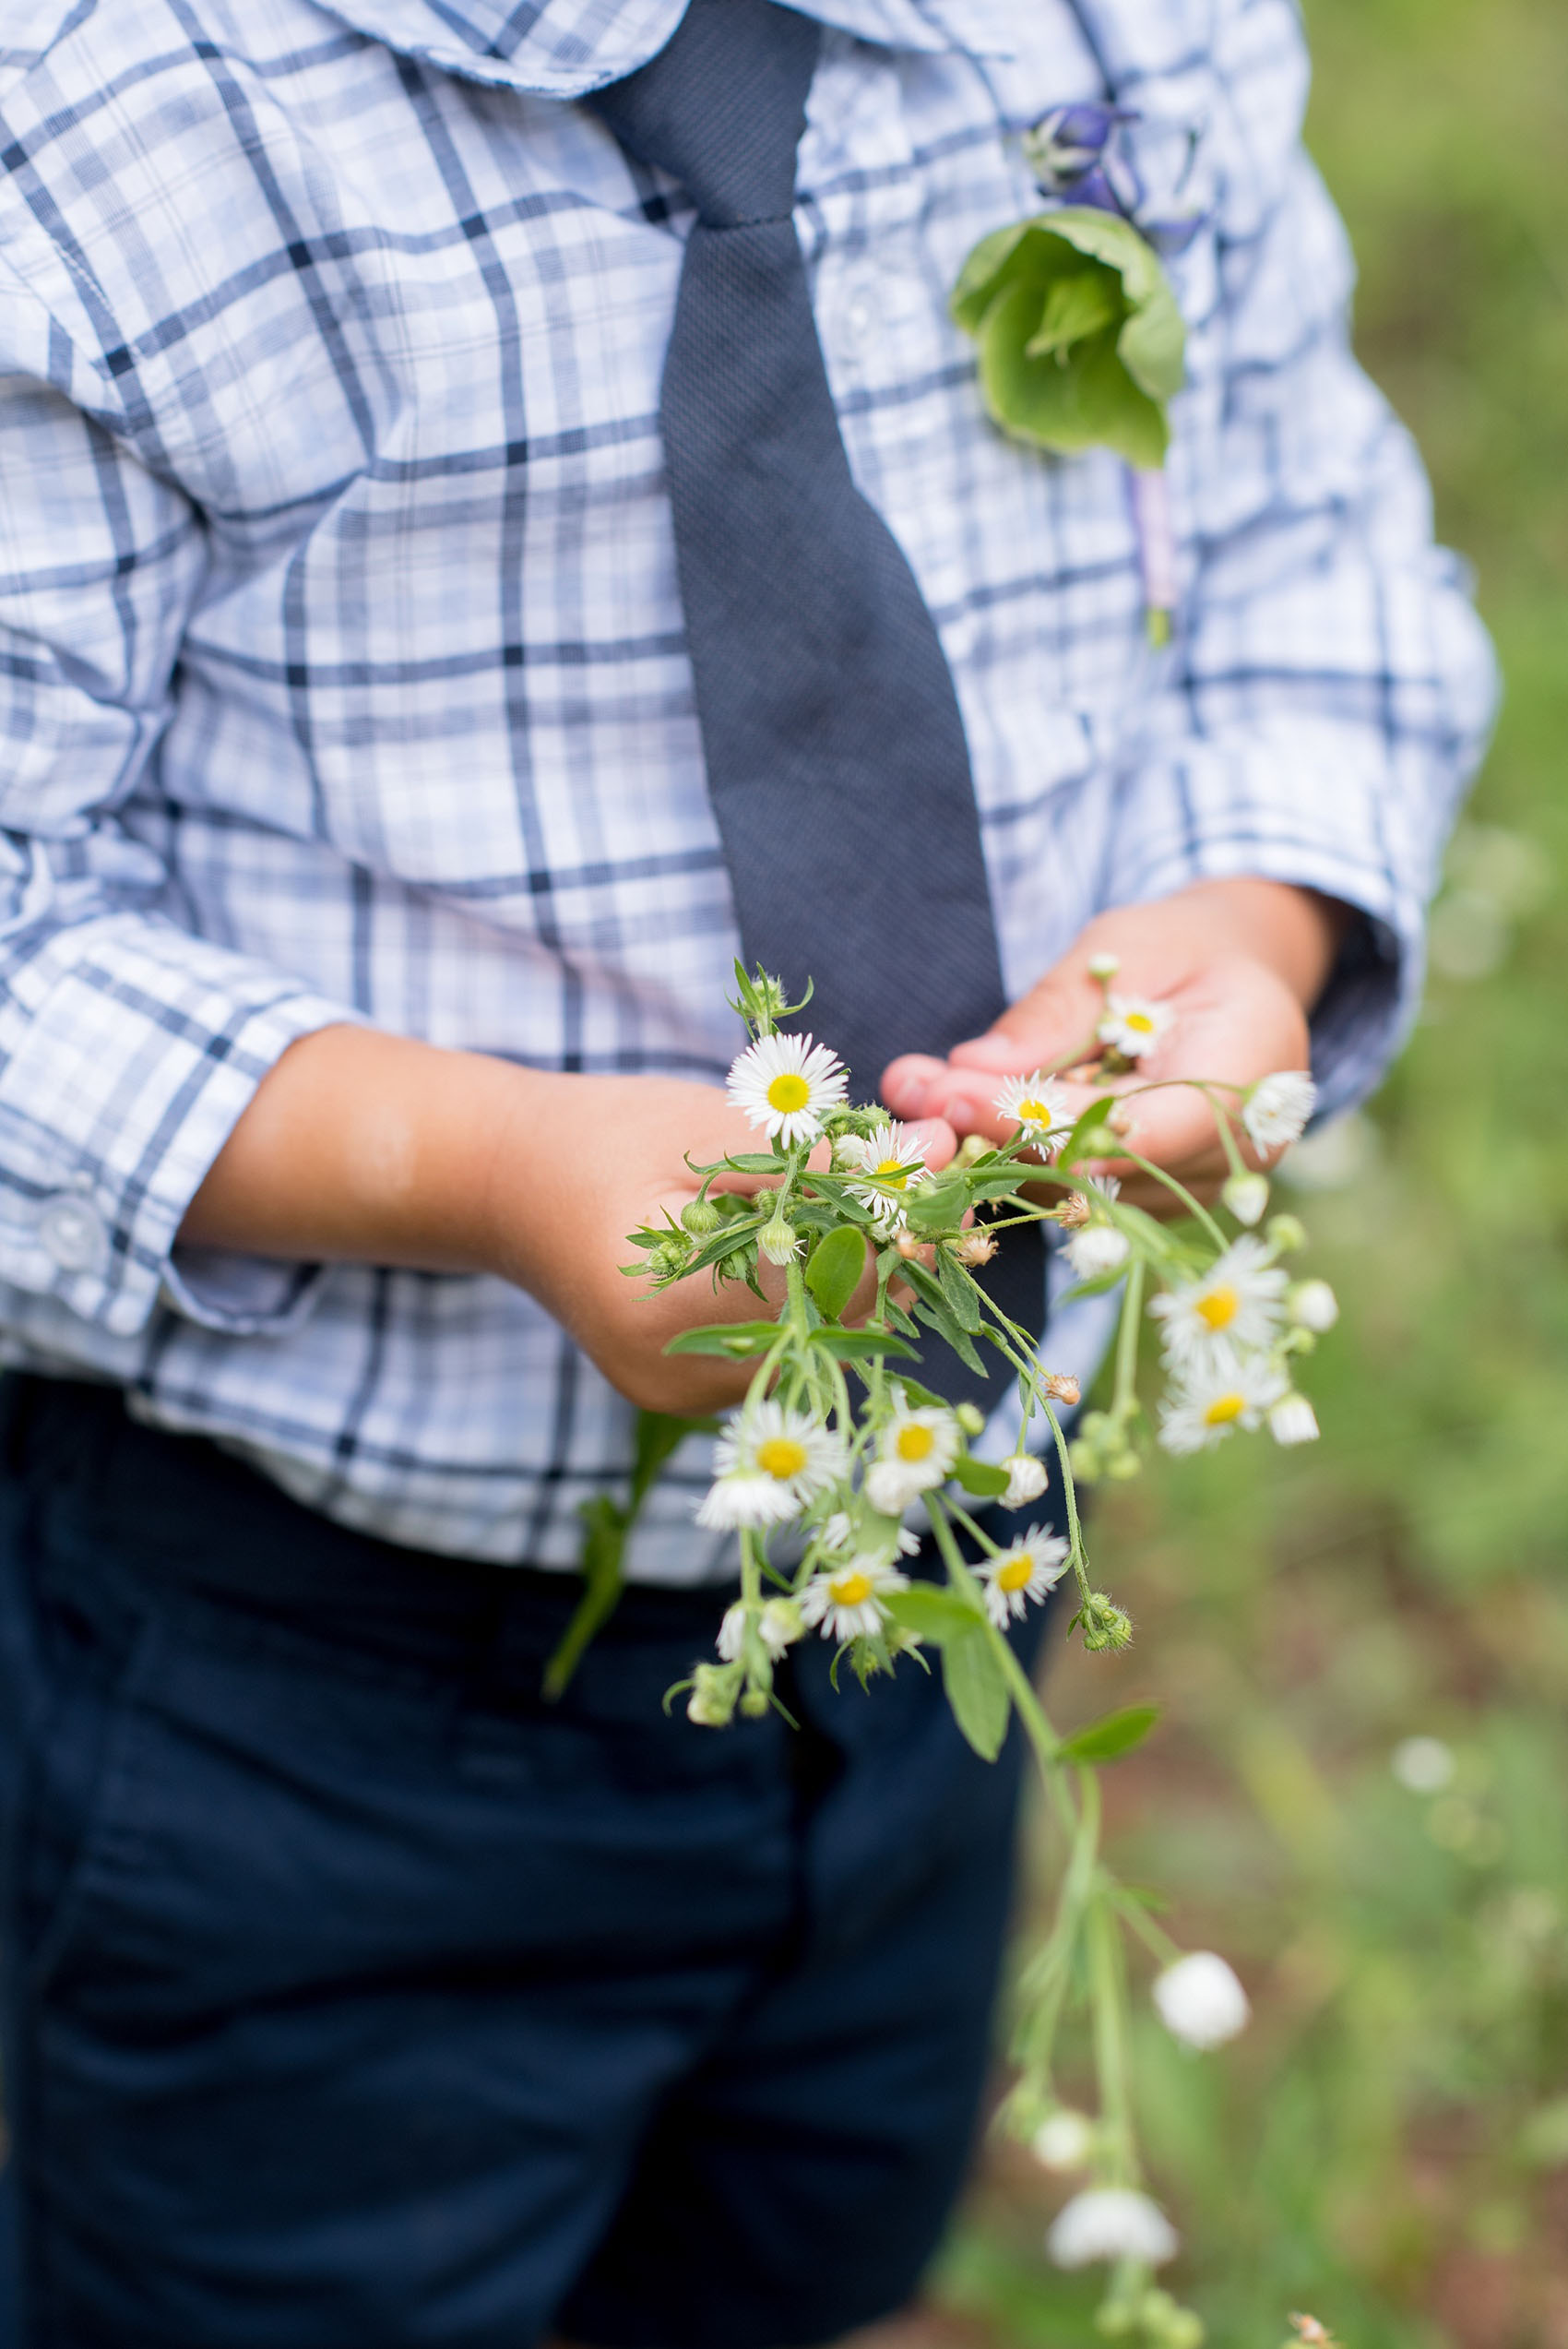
(838, 1445)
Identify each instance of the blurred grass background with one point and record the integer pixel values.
(1387, 2147)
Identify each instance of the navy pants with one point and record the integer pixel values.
(353, 1996)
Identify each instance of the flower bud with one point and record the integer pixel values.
(667, 1260)
(1111, 2222)
(779, 1625)
(700, 1217)
(852, 1154)
(1074, 1212)
(1200, 2000)
(1246, 1194)
(737, 1264)
(975, 1247)
(712, 1700)
(1065, 2140)
(1104, 1623)
(1062, 1388)
(1293, 1421)
(1104, 965)
(779, 1241)
(1099, 1141)
(1286, 1235)
(908, 1247)
(1312, 1304)
(1026, 1480)
(755, 1703)
(970, 1418)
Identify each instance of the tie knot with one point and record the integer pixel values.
(722, 107)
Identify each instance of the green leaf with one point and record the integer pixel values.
(976, 1689)
(935, 1614)
(938, 1317)
(861, 1345)
(1078, 303)
(605, 1527)
(740, 1340)
(978, 1476)
(658, 1435)
(1095, 1115)
(1113, 1736)
(834, 1273)
(932, 1207)
(959, 1292)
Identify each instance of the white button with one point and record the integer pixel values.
(862, 311)
(72, 1234)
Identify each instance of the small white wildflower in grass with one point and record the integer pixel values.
(1111, 2223)
(788, 1085)
(1133, 1025)
(1036, 1104)
(1293, 1421)
(894, 1161)
(768, 1466)
(1064, 2140)
(848, 1601)
(1246, 1194)
(1104, 965)
(1026, 1480)
(1026, 1571)
(1099, 1249)
(1423, 1765)
(1276, 1110)
(1236, 1307)
(1200, 2000)
(1312, 1304)
(915, 1453)
(1207, 1405)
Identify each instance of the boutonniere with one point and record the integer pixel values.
(1081, 340)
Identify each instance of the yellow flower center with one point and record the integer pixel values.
(1224, 1410)
(781, 1456)
(851, 1589)
(915, 1441)
(1035, 1112)
(1015, 1574)
(1218, 1310)
(788, 1092)
(893, 1171)
(1139, 1022)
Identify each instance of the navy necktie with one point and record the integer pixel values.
(836, 754)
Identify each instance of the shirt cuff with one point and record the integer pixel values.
(131, 1050)
(1289, 810)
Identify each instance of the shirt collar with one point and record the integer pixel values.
(564, 48)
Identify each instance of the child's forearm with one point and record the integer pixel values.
(365, 1147)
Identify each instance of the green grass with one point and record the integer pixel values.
(1388, 2146)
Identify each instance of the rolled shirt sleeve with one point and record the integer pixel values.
(1331, 690)
(128, 1047)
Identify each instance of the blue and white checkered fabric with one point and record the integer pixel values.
(341, 669)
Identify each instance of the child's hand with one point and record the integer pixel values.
(1239, 962)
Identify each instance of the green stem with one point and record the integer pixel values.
(1126, 1395)
(1107, 1989)
(1179, 1190)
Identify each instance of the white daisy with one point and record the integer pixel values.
(1026, 1571)
(788, 1085)
(1208, 1405)
(849, 1600)
(893, 1162)
(915, 1453)
(1236, 1305)
(768, 1466)
(1036, 1104)
(1133, 1025)
(1275, 1110)
(1111, 2222)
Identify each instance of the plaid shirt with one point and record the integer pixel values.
(341, 668)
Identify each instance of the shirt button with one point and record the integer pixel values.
(861, 313)
(72, 1234)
